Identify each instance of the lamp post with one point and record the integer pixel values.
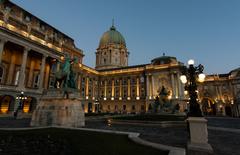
(96, 105)
(197, 124)
(191, 75)
(20, 105)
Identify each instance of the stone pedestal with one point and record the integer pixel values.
(198, 144)
(54, 109)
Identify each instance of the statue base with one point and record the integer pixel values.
(54, 109)
(198, 144)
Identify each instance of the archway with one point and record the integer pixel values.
(6, 103)
(29, 104)
(89, 107)
(208, 106)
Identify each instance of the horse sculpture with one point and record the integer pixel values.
(65, 75)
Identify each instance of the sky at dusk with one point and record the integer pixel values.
(207, 31)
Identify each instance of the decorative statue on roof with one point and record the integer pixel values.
(65, 77)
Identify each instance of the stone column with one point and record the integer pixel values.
(2, 43)
(113, 88)
(180, 92)
(105, 88)
(120, 88)
(110, 56)
(138, 94)
(46, 85)
(153, 90)
(173, 86)
(42, 69)
(87, 79)
(129, 88)
(93, 89)
(30, 76)
(23, 68)
(11, 70)
(148, 84)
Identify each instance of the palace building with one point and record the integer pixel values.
(31, 51)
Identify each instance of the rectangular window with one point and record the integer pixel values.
(16, 78)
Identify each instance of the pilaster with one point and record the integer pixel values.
(180, 90)
(153, 86)
(23, 68)
(30, 76)
(42, 69)
(113, 88)
(173, 86)
(46, 77)
(2, 43)
(120, 88)
(129, 88)
(105, 88)
(148, 83)
(11, 70)
(138, 94)
(87, 81)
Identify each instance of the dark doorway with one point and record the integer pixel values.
(89, 107)
(228, 110)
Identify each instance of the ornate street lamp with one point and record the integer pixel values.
(96, 103)
(191, 75)
(197, 124)
(21, 98)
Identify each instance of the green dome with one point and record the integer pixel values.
(164, 60)
(112, 36)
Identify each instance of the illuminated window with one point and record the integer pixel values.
(36, 81)
(4, 108)
(16, 77)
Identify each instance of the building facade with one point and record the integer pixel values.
(220, 94)
(31, 51)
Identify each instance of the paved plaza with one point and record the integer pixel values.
(223, 142)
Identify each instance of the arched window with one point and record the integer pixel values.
(1, 74)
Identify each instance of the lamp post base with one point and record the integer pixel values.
(198, 144)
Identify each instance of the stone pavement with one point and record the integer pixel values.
(224, 122)
(224, 142)
(10, 122)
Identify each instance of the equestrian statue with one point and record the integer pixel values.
(65, 77)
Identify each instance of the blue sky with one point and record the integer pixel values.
(205, 30)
